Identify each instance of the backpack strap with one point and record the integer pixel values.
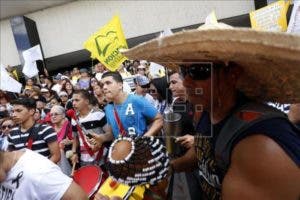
(242, 118)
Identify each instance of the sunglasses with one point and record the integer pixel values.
(152, 91)
(198, 71)
(8, 126)
(145, 86)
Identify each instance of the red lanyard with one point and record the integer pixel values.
(120, 126)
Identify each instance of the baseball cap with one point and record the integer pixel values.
(62, 93)
(63, 77)
(58, 76)
(142, 80)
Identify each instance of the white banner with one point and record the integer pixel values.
(30, 57)
(30, 69)
(8, 83)
(294, 24)
(33, 54)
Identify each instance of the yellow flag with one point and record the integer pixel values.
(271, 17)
(106, 42)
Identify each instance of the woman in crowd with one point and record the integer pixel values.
(29, 83)
(47, 94)
(68, 88)
(6, 125)
(66, 102)
(161, 93)
(84, 80)
(98, 93)
(4, 101)
(48, 82)
(63, 128)
(38, 116)
(35, 92)
(93, 82)
(54, 101)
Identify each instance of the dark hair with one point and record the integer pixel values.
(170, 72)
(63, 88)
(29, 103)
(40, 111)
(84, 94)
(94, 101)
(49, 78)
(162, 87)
(41, 98)
(115, 75)
(4, 114)
(95, 62)
(137, 61)
(4, 95)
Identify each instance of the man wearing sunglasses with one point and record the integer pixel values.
(211, 87)
(142, 85)
(244, 149)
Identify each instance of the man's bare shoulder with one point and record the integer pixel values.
(261, 169)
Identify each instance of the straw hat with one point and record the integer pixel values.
(270, 60)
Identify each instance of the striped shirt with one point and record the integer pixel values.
(93, 123)
(42, 135)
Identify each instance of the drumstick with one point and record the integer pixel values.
(73, 169)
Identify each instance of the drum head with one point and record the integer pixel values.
(89, 178)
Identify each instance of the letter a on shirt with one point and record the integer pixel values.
(129, 109)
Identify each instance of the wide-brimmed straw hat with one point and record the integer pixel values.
(270, 60)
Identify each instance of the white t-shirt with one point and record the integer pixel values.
(34, 177)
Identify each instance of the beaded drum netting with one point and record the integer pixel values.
(147, 162)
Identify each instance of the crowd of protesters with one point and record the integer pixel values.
(50, 98)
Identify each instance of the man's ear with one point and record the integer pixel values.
(32, 111)
(120, 85)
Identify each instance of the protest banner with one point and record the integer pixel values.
(106, 43)
(271, 17)
(30, 57)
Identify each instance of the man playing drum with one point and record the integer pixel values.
(127, 114)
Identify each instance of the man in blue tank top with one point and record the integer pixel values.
(244, 149)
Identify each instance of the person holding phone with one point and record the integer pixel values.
(92, 121)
